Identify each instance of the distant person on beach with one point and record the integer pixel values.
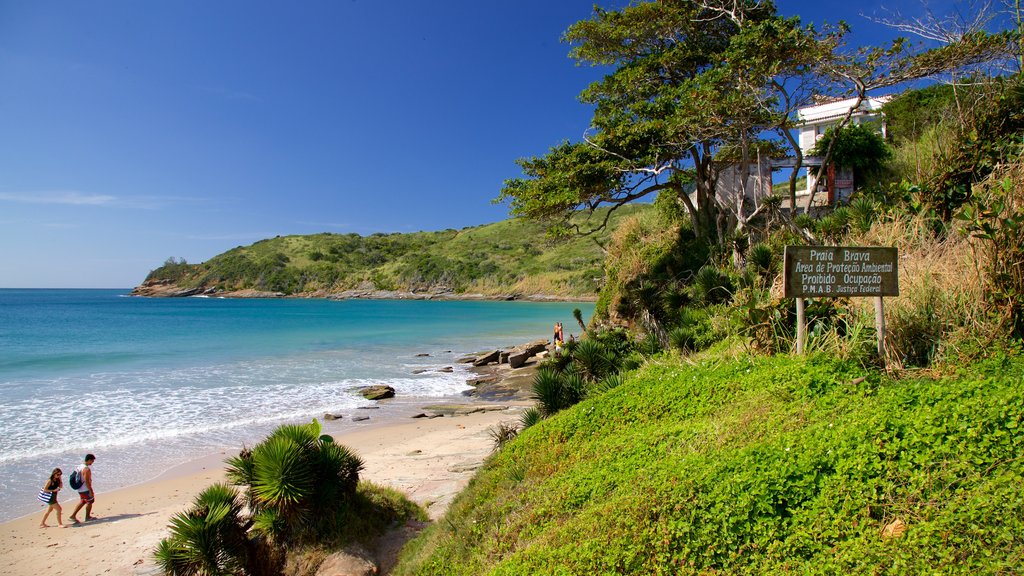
(48, 496)
(86, 495)
(559, 338)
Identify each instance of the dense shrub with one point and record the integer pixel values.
(763, 466)
(300, 489)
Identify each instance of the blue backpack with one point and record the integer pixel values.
(75, 480)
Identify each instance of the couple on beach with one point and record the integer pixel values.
(82, 476)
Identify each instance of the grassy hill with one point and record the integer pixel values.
(512, 257)
(754, 466)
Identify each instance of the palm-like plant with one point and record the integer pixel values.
(591, 360)
(208, 539)
(761, 258)
(578, 315)
(295, 479)
(530, 417)
(711, 286)
(547, 391)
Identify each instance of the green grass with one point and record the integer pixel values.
(509, 257)
(753, 466)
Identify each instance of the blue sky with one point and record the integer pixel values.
(133, 131)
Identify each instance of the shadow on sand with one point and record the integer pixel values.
(106, 519)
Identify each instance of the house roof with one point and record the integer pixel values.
(830, 111)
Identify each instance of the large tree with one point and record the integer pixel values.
(695, 87)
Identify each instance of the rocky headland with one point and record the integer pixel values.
(168, 289)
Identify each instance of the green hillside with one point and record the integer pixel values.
(513, 257)
(754, 466)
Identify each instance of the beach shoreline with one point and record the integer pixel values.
(428, 459)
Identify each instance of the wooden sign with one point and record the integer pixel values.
(834, 271)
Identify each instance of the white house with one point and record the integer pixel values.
(815, 120)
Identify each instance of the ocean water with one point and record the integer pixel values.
(146, 384)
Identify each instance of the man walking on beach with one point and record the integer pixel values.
(86, 496)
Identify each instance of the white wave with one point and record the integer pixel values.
(124, 409)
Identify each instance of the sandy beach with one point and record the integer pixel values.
(430, 460)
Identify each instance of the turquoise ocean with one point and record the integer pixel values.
(150, 383)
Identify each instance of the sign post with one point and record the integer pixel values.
(837, 271)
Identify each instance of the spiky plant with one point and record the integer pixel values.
(547, 391)
(530, 417)
(207, 539)
(831, 227)
(296, 480)
(711, 286)
(592, 360)
(609, 383)
(804, 220)
(682, 338)
(761, 258)
(862, 213)
(503, 433)
(578, 315)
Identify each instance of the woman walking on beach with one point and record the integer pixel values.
(48, 495)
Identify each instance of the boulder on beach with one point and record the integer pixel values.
(487, 358)
(378, 392)
(329, 416)
(518, 358)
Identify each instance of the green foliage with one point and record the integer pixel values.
(857, 146)
(755, 466)
(995, 217)
(997, 138)
(296, 481)
(712, 286)
(552, 392)
(693, 332)
(210, 539)
(531, 416)
(591, 360)
(911, 114)
(862, 213)
(762, 259)
(300, 489)
(510, 257)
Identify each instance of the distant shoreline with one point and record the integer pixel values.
(168, 290)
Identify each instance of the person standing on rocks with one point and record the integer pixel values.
(86, 495)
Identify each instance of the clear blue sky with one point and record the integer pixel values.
(131, 131)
